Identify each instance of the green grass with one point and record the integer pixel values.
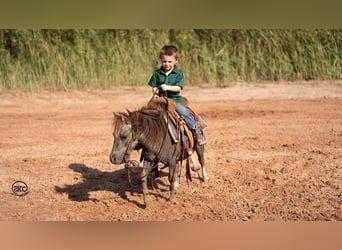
(35, 60)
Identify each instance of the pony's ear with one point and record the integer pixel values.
(119, 115)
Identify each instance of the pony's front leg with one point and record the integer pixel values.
(145, 172)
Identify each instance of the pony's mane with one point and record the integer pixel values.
(149, 125)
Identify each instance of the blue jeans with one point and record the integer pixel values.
(188, 118)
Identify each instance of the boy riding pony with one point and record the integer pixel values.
(168, 81)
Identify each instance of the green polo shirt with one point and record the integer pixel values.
(175, 78)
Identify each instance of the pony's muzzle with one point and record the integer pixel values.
(116, 160)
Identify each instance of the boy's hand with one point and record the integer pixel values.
(155, 92)
(164, 87)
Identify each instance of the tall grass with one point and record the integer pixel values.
(34, 60)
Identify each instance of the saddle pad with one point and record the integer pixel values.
(178, 122)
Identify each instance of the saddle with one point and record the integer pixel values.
(177, 127)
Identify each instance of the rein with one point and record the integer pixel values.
(128, 162)
(129, 148)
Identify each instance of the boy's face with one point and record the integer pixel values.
(168, 62)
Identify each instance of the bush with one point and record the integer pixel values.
(34, 60)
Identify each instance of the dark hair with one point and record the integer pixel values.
(169, 50)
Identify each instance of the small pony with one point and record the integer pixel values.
(153, 129)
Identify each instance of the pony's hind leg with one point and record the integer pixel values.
(200, 153)
(173, 179)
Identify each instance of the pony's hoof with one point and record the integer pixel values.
(205, 178)
(195, 168)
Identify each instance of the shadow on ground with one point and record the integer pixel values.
(96, 180)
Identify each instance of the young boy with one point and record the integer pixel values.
(169, 80)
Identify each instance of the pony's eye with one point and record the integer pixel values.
(123, 136)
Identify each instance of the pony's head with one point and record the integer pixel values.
(123, 143)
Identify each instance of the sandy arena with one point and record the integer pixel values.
(273, 153)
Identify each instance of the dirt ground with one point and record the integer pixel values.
(274, 152)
